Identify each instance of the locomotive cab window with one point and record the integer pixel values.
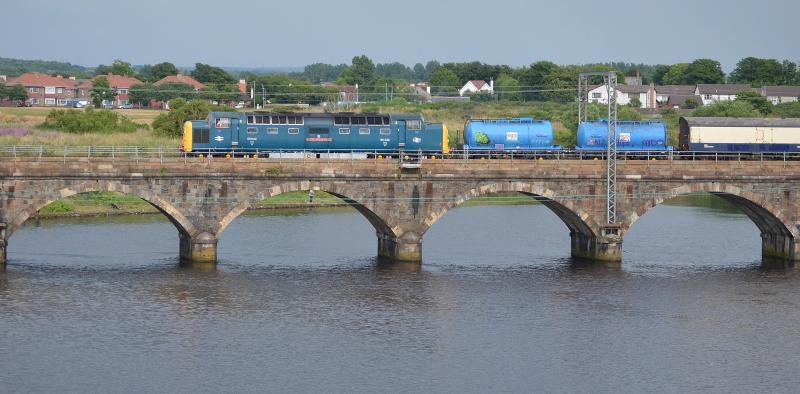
(415, 124)
(223, 123)
(200, 136)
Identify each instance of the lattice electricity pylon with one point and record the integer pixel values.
(610, 81)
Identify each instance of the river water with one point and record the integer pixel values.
(298, 303)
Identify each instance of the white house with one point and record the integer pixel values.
(625, 94)
(477, 86)
(711, 93)
(781, 94)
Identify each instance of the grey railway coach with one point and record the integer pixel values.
(739, 134)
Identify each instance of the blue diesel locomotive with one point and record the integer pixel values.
(509, 134)
(252, 132)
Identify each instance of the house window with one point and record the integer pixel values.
(60, 90)
(597, 95)
(49, 90)
(35, 101)
(414, 124)
(294, 130)
(62, 102)
(34, 90)
(344, 130)
(122, 91)
(49, 101)
(707, 97)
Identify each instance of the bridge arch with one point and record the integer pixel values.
(17, 217)
(577, 220)
(779, 235)
(337, 189)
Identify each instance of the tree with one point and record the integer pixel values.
(3, 91)
(142, 93)
(430, 67)
(658, 74)
(732, 109)
(635, 103)
(210, 74)
(758, 72)
(788, 110)
(507, 88)
(758, 101)
(119, 67)
(533, 78)
(789, 73)
(689, 104)
(161, 70)
(704, 71)
(361, 71)
(393, 70)
(101, 92)
(321, 72)
(419, 73)
(676, 75)
(102, 70)
(171, 123)
(17, 93)
(444, 82)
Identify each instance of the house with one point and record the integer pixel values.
(180, 78)
(663, 92)
(781, 94)
(720, 92)
(683, 101)
(46, 90)
(120, 84)
(624, 94)
(477, 86)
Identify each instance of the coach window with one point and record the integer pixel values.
(294, 130)
(363, 130)
(272, 130)
(414, 124)
(344, 130)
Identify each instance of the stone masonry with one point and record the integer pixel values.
(201, 197)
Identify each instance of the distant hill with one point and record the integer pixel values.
(15, 67)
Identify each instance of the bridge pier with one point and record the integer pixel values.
(201, 248)
(607, 248)
(778, 247)
(407, 247)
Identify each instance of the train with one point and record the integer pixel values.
(342, 133)
(387, 134)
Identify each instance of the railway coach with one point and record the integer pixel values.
(752, 135)
(340, 133)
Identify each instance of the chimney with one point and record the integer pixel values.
(651, 96)
(428, 89)
(3, 78)
(242, 85)
(59, 76)
(72, 78)
(491, 85)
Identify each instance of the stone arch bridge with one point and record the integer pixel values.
(201, 197)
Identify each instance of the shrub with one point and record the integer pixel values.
(788, 110)
(171, 124)
(57, 206)
(90, 121)
(733, 109)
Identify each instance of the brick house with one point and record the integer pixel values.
(46, 90)
(180, 78)
(120, 84)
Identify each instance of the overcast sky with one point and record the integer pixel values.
(266, 33)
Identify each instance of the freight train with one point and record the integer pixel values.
(387, 134)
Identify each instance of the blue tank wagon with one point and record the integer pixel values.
(509, 134)
(752, 135)
(631, 136)
(251, 132)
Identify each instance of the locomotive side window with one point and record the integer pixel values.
(223, 123)
(386, 131)
(272, 130)
(341, 120)
(363, 130)
(281, 119)
(344, 130)
(374, 120)
(414, 124)
(200, 136)
(252, 130)
(250, 119)
(294, 130)
(275, 120)
(295, 120)
(358, 120)
(386, 120)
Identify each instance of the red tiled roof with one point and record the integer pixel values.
(180, 79)
(478, 84)
(40, 79)
(120, 81)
